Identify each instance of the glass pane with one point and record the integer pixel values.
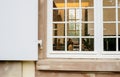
(73, 29)
(87, 3)
(118, 14)
(58, 15)
(73, 44)
(87, 44)
(109, 2)
(118, 2)
(119, 43)
(58, 3)
(73, 14)
(109, 44)
(87, 29)
(119, 29)
(58, 29)
(72, 3)
(109, 14)
(87, 14)
(58, 44)
(109, 29)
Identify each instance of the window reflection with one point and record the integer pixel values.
(58, 44)
(119, 29)
(118, 14)
(109, 2)
(87, 15)
(119, 43)
(118, 2)
(58, 15)
(109, 29)
(87, 44)
(73, 29)
(72, 3)
(58, 29)
(109, 14)
(73, 44)
(58, 3)
(87, 3)
(87, 29)
(109, 44)
(73, 15)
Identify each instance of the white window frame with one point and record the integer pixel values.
(98, 35)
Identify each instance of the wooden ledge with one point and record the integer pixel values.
(79, 65)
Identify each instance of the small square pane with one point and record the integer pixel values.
(87, 29)
(73, 15)
(72, 3)
(58, 15)
(73, 29)
(109, 44)
(87, 3)
(58, 3)
(73, 44)
(109, 14)
(118, 2)
(119, 43)
(58, 29)
(87, 14)
(109, 2)
(87, 44)
(58, 44)
(118, 14)
(109, 29)
(119, 29)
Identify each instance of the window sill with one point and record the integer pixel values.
(108, 65)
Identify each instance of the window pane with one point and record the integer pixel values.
(109, 44)
(87, 44)
(109, 29)
(109, 2)
(73, 29)
(119, 43)
(87, 29)
(87, 15)
(109, 14)
(118, 14)
(119, 29)
(58, 29)
(72, 3)
(118, 2)
(73, 15)
(58, 3)
(87, 3)
(73, 44)
(58, 44)
(58, 15)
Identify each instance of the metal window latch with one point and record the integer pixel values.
(40, 44)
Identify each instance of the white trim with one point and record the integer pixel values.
(98, 33)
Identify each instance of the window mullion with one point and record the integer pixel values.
(98, 17)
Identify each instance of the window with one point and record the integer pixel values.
(83, 29)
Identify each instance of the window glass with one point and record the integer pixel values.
(109, 14)
(72, 3)
(58, 15)
(109, 29)
(58, 3)
(109, 2)
(58, 44)
(87, 3)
